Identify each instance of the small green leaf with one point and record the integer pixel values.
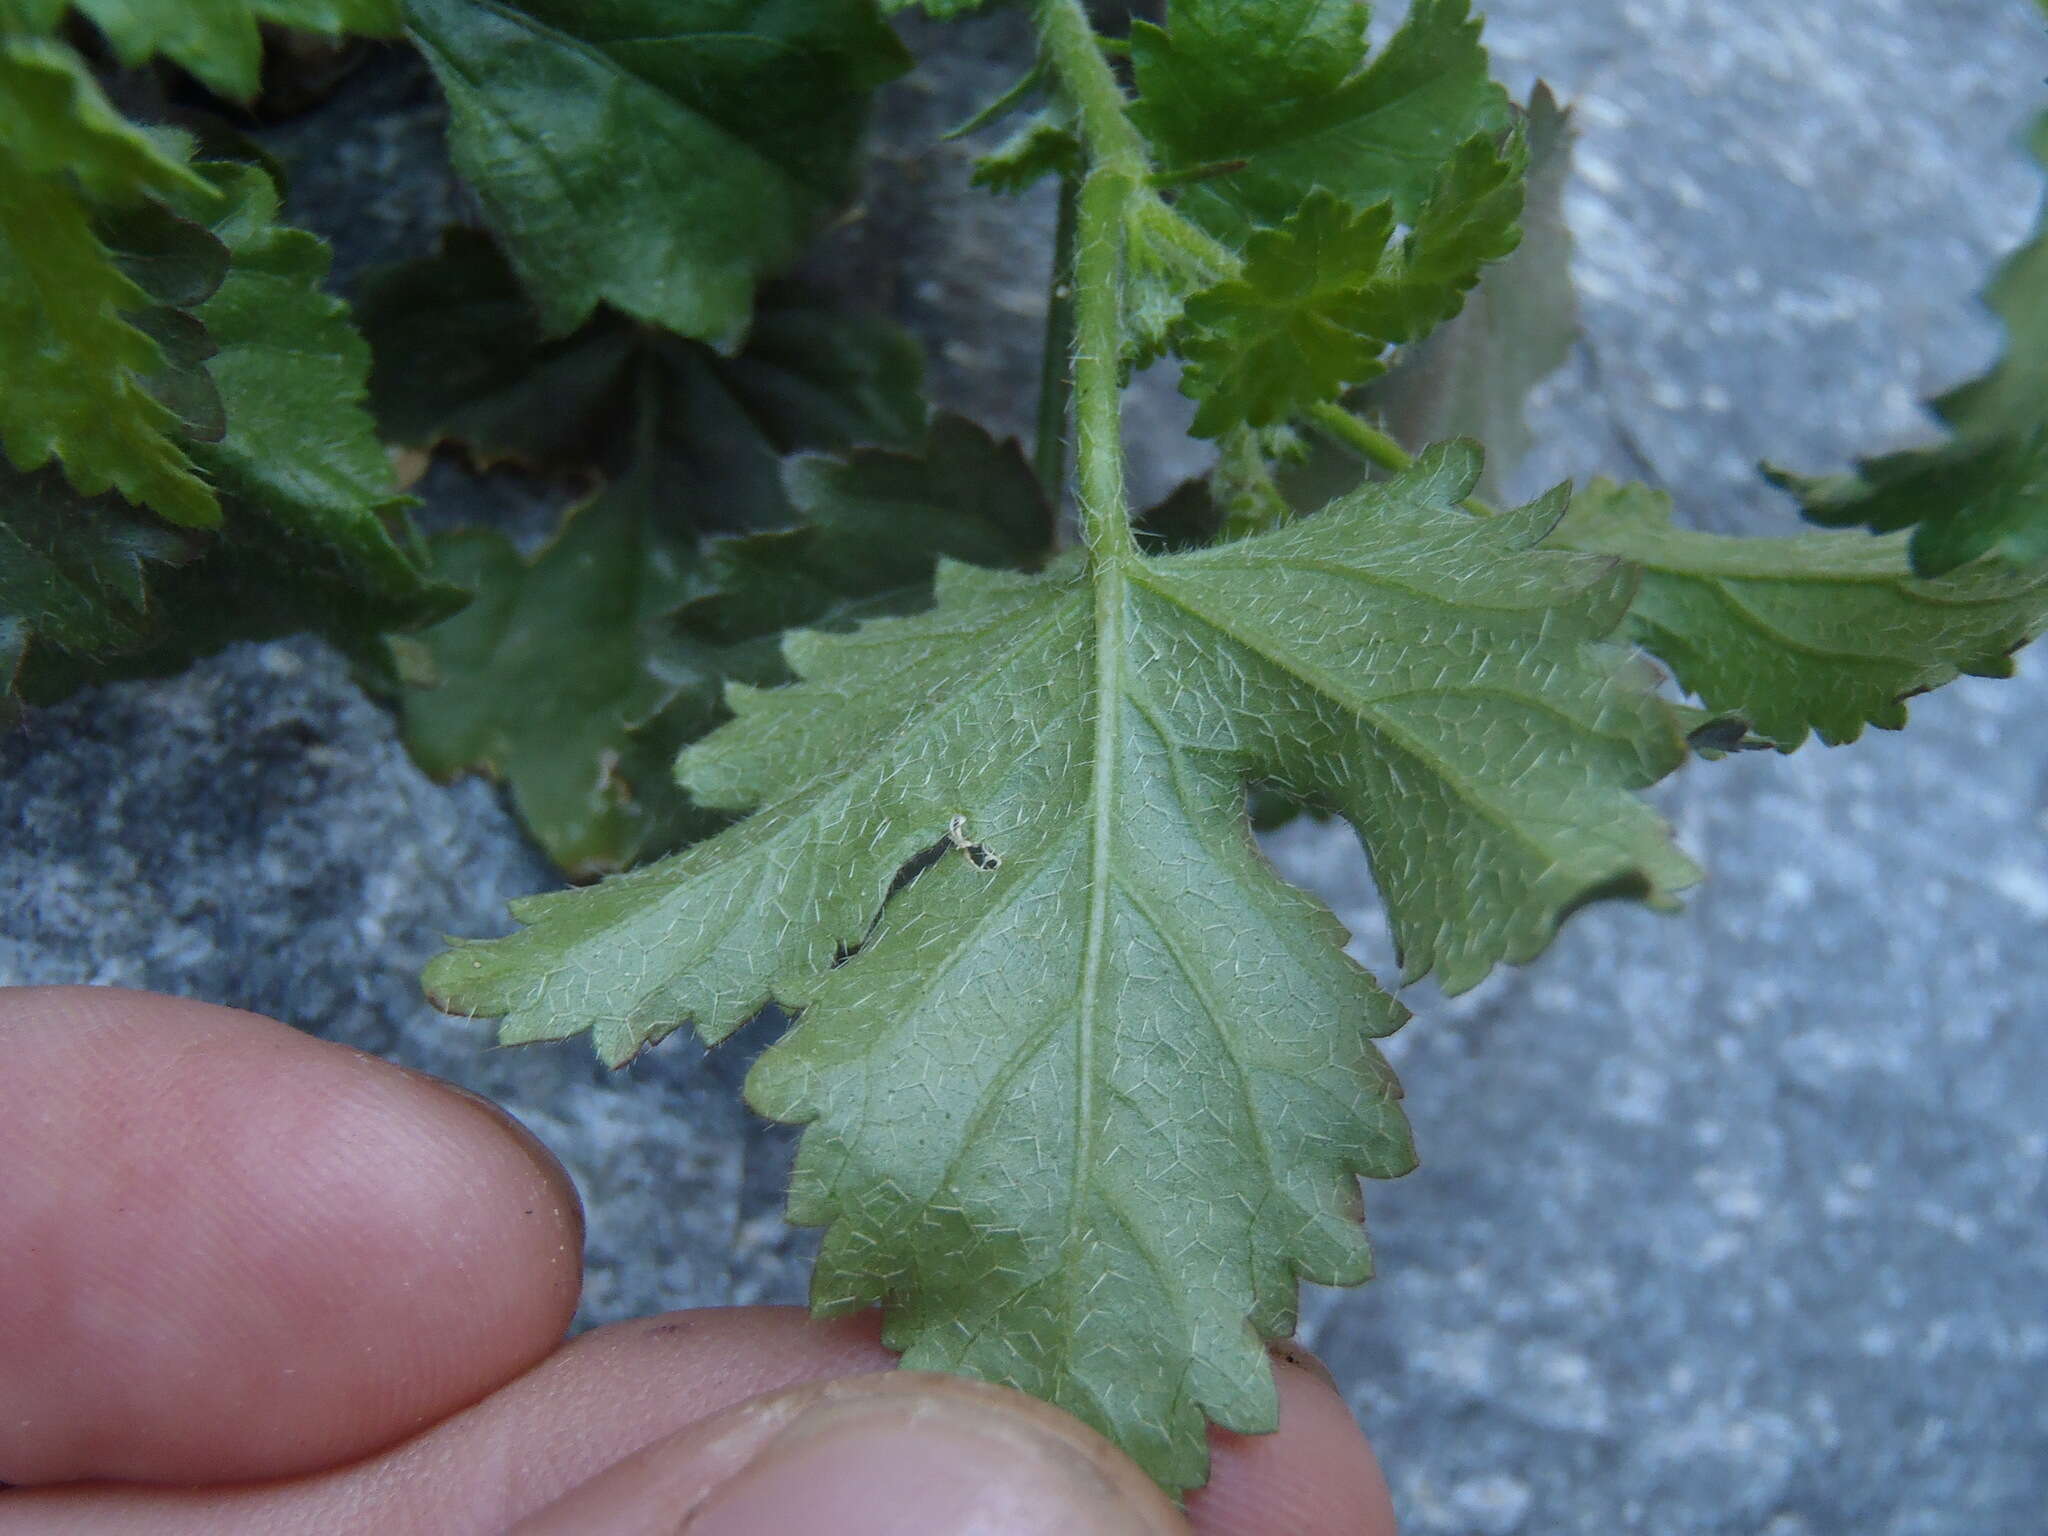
(659, 157)
(1471, 375)
(1043, 145)
(292, 374)
(1323, 296)
(540, 679)
(1089, 1096)
(1825, 633)
(217, 40)
(1284, 86)
(1984, 492)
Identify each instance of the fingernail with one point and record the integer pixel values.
(1306, 1359)
(936, 1463)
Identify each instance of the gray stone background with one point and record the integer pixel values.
(1729, 1223)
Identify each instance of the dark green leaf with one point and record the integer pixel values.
(540, 679)
(1824, 633)
(1284, 86)
(460, 355)
(313, 536)
(662, 156)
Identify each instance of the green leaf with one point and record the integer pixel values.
(460, 355)
(217, 40)
(539, 681)
(1984, 492)
(79, 370)
(1088, 1099)
(55, 121)
(693, 444)
(1283, 86)
(659, 157)
(1825, 633)
(1043, 145)
(299, 447)
(1470, 376)
(313, 536)
(1323, 296)
(72, 573)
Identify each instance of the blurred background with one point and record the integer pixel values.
(1731, 1222)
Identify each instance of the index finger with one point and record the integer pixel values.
(230, 1251)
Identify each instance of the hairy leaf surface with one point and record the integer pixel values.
(1825, 633)
(1285, 86)
(1985, 490)
(1088, 1096)
(659, 157)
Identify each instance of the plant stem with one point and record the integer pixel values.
(1098, 354)
(1055, 376)
(1075, 52)
(1374, 446)
(1118, 163)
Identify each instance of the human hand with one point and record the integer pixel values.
(254, 1282)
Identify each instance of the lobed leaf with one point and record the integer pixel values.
(259, 376)
(1324, 295)
(1086, 1100)
(1824, 633)
(1983, 492)
(569, 676)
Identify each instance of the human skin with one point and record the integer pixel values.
(251, 1281)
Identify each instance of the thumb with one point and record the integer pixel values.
(901, 1453)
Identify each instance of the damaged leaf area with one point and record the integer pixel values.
(1083, 1111)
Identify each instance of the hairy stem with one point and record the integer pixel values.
(1098, 355)
(1118, 164)
(1075, 53)
(1055, 375)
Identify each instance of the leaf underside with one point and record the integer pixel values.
(1088, 1096)
(1824, 633)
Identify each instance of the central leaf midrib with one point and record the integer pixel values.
(1109, 581)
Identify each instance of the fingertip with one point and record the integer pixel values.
(1314, 1476)
(233, 1251)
